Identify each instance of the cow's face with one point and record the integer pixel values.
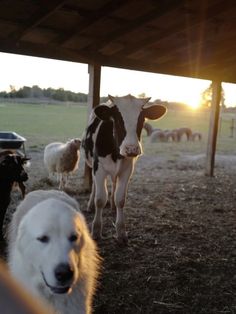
(11, 168)
(128, 114)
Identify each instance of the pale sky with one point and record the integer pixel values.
(22, 71)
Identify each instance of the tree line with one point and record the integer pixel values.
(50, 93)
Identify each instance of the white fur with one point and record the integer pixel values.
(56, 215)
(62, 159)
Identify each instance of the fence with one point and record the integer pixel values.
(227, 126)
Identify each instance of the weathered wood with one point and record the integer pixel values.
(94, 86)
(90, 19)
(213, 127)
(38, 17)
(93, 101)
(129, 26)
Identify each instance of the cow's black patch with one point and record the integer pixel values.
(87, 142)
(140, 123)
(119, 126)
(106, 143)
(95, 163)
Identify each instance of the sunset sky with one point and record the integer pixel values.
(21, 71)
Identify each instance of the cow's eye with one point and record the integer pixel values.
(43, 239)
(73, 237)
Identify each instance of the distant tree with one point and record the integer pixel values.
(60, 95)
(206, 97)
(23, 92)
(12, 91)
(3, 94)
(36, 91)
(48, 93)
(142, 95)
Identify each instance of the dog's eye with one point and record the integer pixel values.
(73, 237)
(43, 239)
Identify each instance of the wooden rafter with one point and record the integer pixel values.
(45, 10)
(133, 24)
(91, 18)
(163, 35)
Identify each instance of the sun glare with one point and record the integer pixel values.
(193, 104)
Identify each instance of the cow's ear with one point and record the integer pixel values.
(103, 112)
(154, 112)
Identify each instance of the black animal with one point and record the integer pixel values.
(11, 172)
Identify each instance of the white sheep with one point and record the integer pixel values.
(62, 159)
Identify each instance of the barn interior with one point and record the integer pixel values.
(190, 254)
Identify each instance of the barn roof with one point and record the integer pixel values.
(195, 38)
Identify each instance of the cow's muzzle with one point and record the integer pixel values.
(131, 151)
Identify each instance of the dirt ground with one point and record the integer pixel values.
(181, 255)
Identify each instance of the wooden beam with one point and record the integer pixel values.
(213, 128)
(166, 34)
(46, 9)
(94, 86)
(93, 101)
(62, 53)
(92, 17)
(131, 25)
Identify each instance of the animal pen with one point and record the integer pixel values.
(181, 257)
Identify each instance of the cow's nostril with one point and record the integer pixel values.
(63, 273)
(132, 150)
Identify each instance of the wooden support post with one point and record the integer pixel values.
(93, 101)
(213, 128)
(94, 86)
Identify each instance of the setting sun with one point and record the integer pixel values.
(193, 102)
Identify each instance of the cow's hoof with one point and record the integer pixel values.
(96, 234)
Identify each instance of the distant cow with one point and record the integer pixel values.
(112, 145)
(181, 131)
(197, 135)
(158, 136)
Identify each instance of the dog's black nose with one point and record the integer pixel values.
(63, 273)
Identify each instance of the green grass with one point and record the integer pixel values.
(42, 124)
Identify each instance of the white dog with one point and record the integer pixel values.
(51, 252)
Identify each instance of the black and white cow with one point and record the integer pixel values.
(112, 144)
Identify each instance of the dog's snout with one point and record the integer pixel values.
(63, 273)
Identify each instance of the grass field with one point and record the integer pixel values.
(41, 124)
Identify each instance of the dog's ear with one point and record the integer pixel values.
(82, 229)
(21, 239)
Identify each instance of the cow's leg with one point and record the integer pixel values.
(112, 199)
(62, 181)
(66, 178)
(100, 202)
(91, 205)
(120, 197)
